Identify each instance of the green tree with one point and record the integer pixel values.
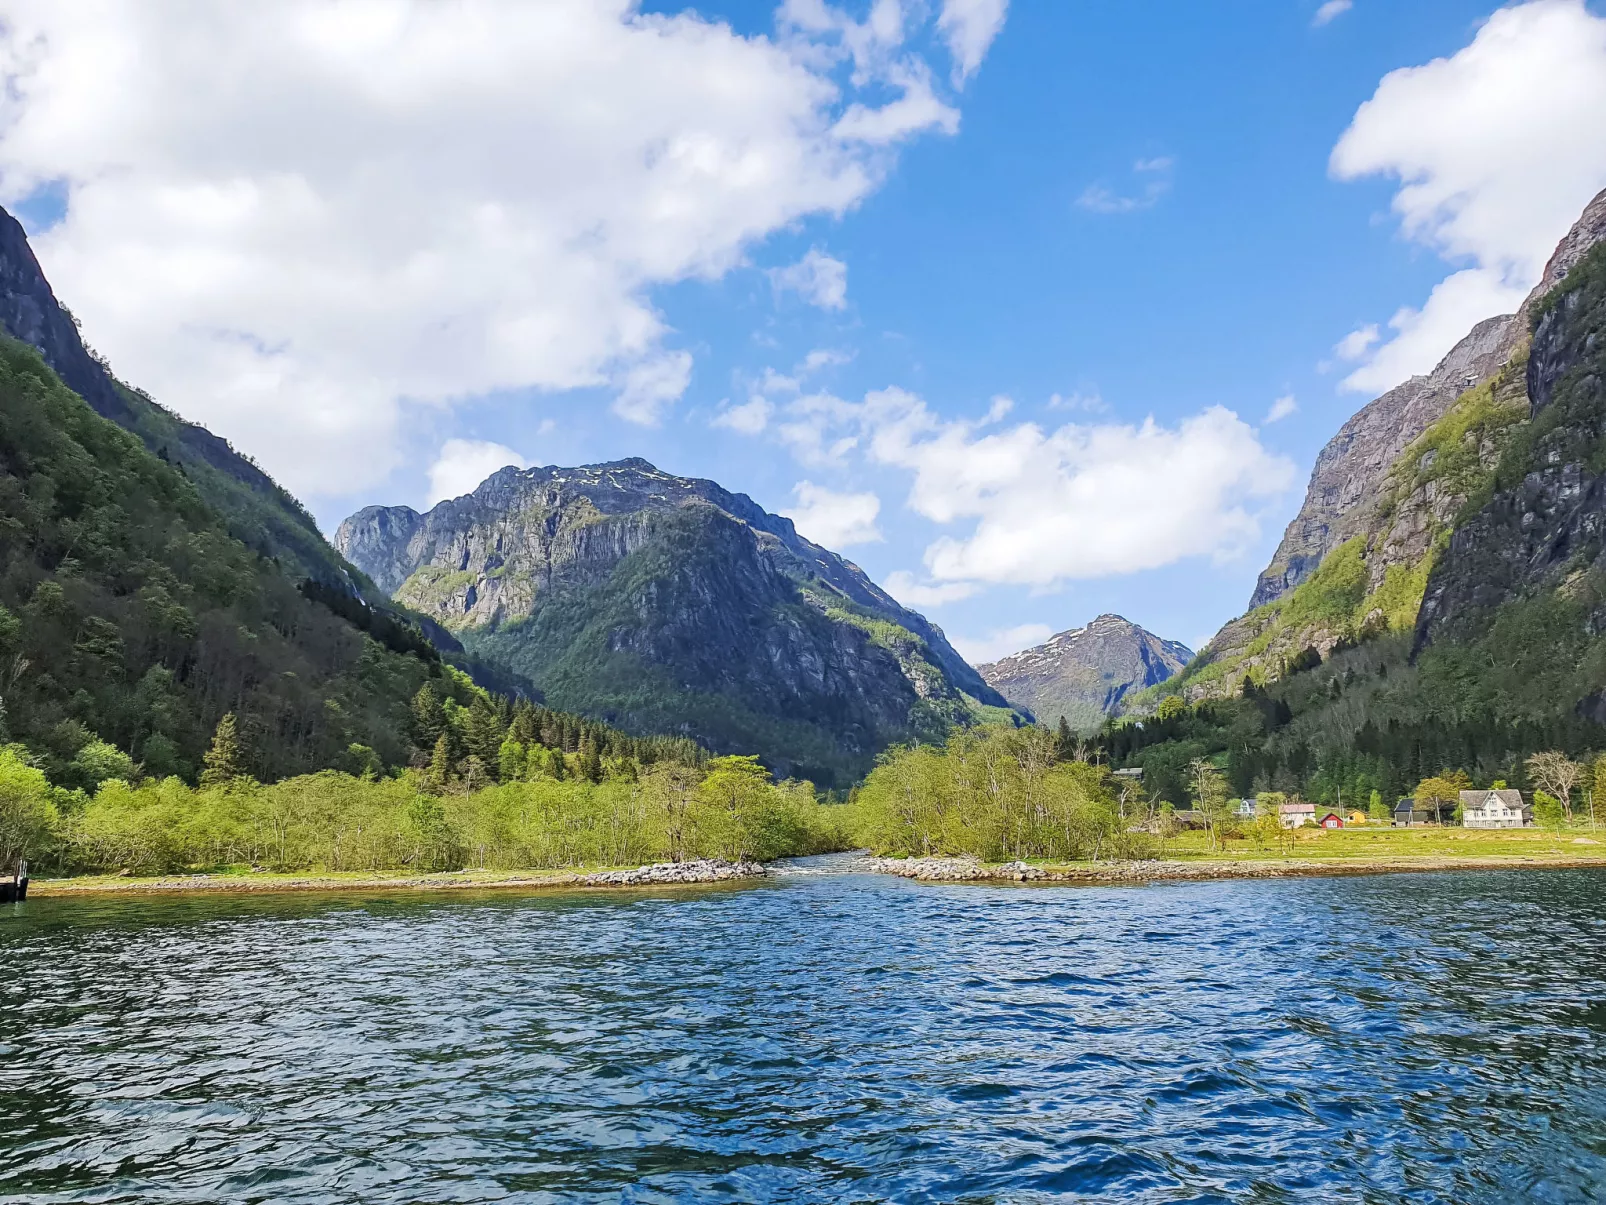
(224, 761)
(28, 813)
(440, 762)
(1064, 741)
(1208, 787)
(1170, 707)
(511, 760)
(1377, 809)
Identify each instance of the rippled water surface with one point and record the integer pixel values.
(822, 1037)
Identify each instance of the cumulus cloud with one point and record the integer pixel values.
(1331, 10)
(650, 386)
(749, 418)
(1155, 178)
(1080, 502)
(464, 463)
(1039, 507)
(817, 278)
(834, 520)
(912, 592)
(1421, 337)
(288, 220)
(1282, 408)
(981, 650)
(970, 27)
(1496, 149)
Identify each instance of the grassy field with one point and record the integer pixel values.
(1384, 842)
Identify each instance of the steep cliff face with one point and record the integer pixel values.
(1384, 504)
(1351, 472)
(1086, 673)
(665, 603)
(1528, 559)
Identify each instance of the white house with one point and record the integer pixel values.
(1495, 809)
(1296, 815)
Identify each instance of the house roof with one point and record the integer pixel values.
(1480, 799)
(1290, 808)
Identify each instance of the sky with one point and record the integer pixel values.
(1035, 309)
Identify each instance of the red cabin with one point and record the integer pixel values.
(1332, 820)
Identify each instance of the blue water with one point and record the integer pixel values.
(824, 1037)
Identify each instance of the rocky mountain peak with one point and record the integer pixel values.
(1085, 673)
(667, 603)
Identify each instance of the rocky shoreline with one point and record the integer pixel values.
(704, 871)
(970, 870)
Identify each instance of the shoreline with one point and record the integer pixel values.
(704, 872)
(710, 872)
(968, 870)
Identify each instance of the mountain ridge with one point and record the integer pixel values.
(641, 597)
(1085, 674)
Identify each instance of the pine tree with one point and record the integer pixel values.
(590, 760)
(440, 763)
(1064, 742)
(428, 722)
(223, 762)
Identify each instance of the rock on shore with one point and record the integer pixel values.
(708, 870)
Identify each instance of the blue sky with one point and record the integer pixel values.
(1124, 212)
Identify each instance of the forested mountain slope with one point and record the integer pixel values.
(130, 617)
(668, 604)
(265, 517)
(1085, 674)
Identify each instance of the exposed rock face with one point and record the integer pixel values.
(1384, 540)
(1542, 529)
(1085, 673)
(665, 603)
(1346, 484)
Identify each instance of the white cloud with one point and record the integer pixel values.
(1044, 507)
(1101, 198)
(834, 520)
(1282, 408)
(1331, 10)
(971, 26)
(750, 418)
(1456, 305)
(823, 357)
(817, 278)
(651, 386)
(1091, 402)
(1497, 150)
(1358, 342)
(464, 463)
(911, 592)
(287, 220)
(995, 645)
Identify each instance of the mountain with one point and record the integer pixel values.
(1085, 674)
(1456, 616)
(258, 512)
(668, 604)
(1387, 494)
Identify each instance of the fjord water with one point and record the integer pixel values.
(823, 1037)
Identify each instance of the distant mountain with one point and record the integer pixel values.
(668, 604)
(1085, 673)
